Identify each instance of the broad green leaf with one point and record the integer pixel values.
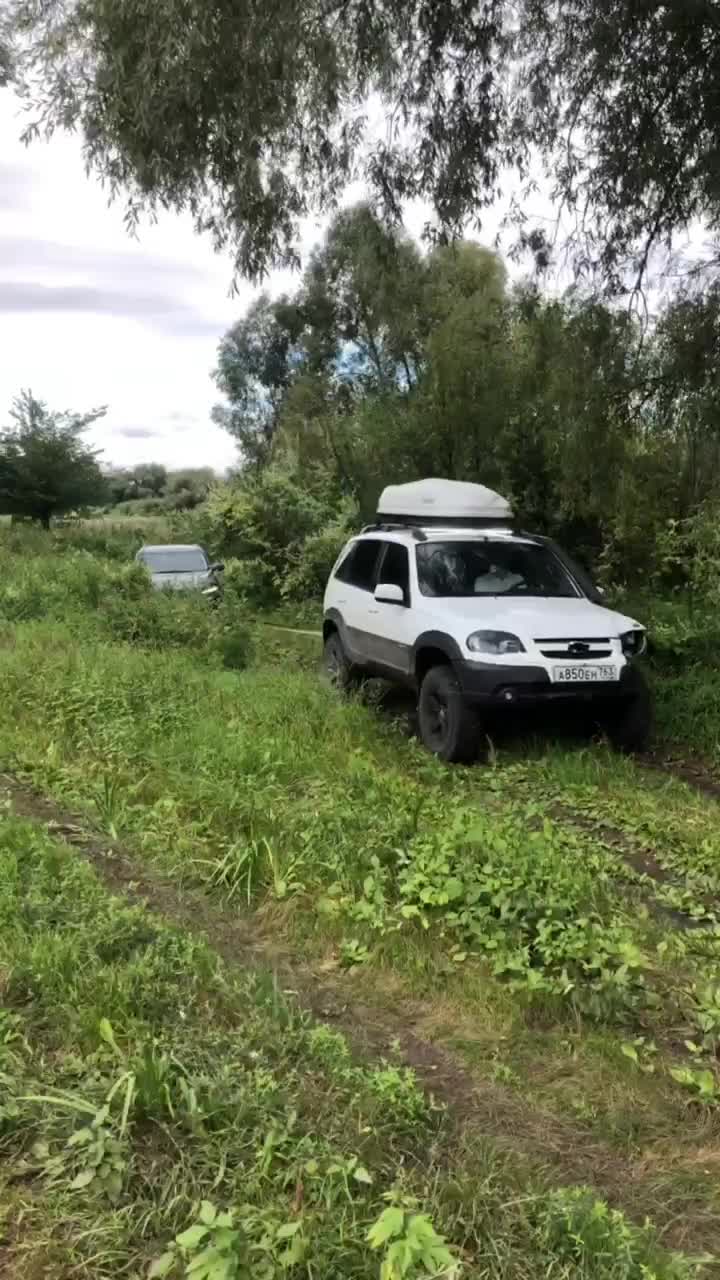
(108, 1035)
(82, 1179)
(287, 1230)
(190, 1239)
(80, 1136)
(208, 1213)
(362, 1175)
(389, 1224)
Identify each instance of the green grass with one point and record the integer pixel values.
(510, 908)
(147, 1088)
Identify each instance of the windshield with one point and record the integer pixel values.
(174, 560)
(491, 568)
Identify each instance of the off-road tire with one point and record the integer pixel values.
(631, 724)
(337, 667)
(448, 727)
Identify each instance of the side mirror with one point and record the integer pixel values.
(389, 593)
(215, 568)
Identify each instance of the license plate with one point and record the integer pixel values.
(583, 673)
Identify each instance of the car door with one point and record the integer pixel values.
(356, 577)
(392, 628)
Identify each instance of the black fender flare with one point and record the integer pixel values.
(437, 640)
(333, 621)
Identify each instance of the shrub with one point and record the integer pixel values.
(308, 574)
(601, 1244)
(264, 522)
(234, 645)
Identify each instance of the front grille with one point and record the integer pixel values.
(592, 648)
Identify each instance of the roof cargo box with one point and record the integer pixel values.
(443, 502)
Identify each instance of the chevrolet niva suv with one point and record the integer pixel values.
(445, 596)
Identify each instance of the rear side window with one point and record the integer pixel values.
(358, 568)
(395, 567)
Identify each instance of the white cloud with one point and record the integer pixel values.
(89, 315)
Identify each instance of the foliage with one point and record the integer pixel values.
(600, 1242)
(116, 601)
(411, 1243)
(200, 1086)
(148, 489)
(264, 523)
(511, 889)
(45, 468)
(386, 364)
(148, 1090)
(251, 126)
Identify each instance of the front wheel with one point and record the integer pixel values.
(447, 725)
(630, 725)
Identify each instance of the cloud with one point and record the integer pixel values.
(135, 433)
(181, 421)
(16, 181)
(50, 255)
(161, 311)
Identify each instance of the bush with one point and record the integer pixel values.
(308, 575)
(234, 645)
(600, 1243)
(265, 522)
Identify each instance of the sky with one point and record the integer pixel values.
(91, 316)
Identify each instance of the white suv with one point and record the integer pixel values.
(445, 596)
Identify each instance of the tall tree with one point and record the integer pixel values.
(254, 370)
(45, 466)
(249, 114)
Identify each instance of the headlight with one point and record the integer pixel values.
(634, 643)
(210, 591)
(494, 642)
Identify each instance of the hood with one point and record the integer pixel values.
(534, 616)
(180, 581)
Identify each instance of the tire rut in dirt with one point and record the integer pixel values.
(547, 1144)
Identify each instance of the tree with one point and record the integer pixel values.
(254, 370)
(45, 468)
(250, 114)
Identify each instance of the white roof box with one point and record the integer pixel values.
(443, 502)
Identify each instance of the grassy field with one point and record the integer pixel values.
(520, 964)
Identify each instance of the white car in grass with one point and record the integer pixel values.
(182, 567)
(446, 595)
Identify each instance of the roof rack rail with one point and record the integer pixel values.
(418, 534)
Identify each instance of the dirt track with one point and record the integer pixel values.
(555, 1147)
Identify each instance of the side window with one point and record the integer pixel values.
(395, 568)
(358, 567)
(344, 569)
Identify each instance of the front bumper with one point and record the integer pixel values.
(491, 684)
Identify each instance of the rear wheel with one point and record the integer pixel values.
(336, 666)
(447, 726)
